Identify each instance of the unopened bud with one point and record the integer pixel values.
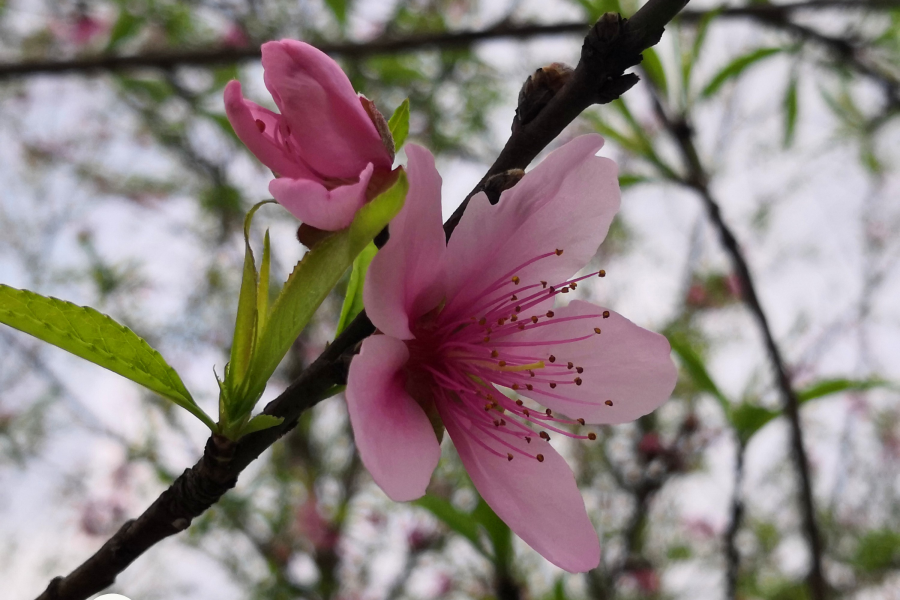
(539, 88)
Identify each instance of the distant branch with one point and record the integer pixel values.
(774, 15)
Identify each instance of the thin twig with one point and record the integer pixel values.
(732, 556)
(698, 180)
(612, 46)
(772, 14)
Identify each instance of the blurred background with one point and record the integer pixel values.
(123, 187)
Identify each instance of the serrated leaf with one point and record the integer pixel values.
(399, 125)
(736, 67)
(353, 300)
(654, 69)
(308, 285)
(790, 112)
(97, 338)
(458, 521)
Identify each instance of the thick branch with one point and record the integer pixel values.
(774, 15)
(698, 179)
(201, 486)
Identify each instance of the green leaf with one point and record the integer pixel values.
(748, 418)
(399, 125)
(353, 300)
(458, 521)
(125, 27)
(790, 111)
(827, 387)
(338, 9)
(735, 68)
(693, 364)
(654, 69)
(690, 60)
(308, 285)
(498, 532)
(97, 338)
(260, 422)
(877, 551)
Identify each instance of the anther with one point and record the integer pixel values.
(526, 412)
(549, 412)
(487, 339)
(550, 314)
(602, 273)
(508, 456)
(501, 320)
(488, 407)
(530, 373)
(482, 321)
(496, 423)
(544, 284)
(580, 421)
(502, 363)
(592, 436)
(521, 327)
(578, 381)
(527, 440)
(559, 252)
(573, 285)
(545, 436)
(513, 318)
(514, 298)
(552, 289)
(515, 279)
(515, 386)
(552, 386)
(260, 125)
(529, 386)
(518, 309)
(579, 370)
(605, 314)
(502, 423)
(552, 358)
(570, 365)
(494, 354)
(596, 330)
(565, 290)
(534, 319)
(540, 457)
(608, 403)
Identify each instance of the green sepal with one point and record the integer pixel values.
(308, 286)
(260, 422)
(97, 338)
(353, 300)
(399, 125)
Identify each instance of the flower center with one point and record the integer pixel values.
(507, 340)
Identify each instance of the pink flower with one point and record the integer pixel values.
(324, 146)
(463, 319)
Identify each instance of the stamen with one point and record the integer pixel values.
(596, 330)
(601, 273)
(608, 403)
(540, 457)
(260, 125)
(605, 314)
(592, 436)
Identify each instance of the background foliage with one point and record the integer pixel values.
(126, 190)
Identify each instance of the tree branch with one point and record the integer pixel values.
(698, 180)
(774, 15)
(613, 45)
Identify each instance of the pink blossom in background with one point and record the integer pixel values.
(235, 37)
(325, 147)
(81, 30)
(461, 319)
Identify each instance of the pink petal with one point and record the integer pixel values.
(625, 364)
(567, 202)
(394, 436)
(315, 205)
(538, 500)
(403, 281)
(243, 115)
(329, 126)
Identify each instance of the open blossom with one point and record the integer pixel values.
(325, 146)
(460, 321)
